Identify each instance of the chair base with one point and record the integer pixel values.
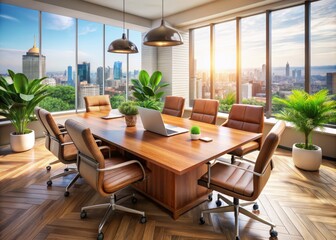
(112, 206)
(67, 171)
(237, 208)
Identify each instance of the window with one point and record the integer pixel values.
(200, 79)
(253, 59)
(288, 56)
(323, 46)
(58, 52)
(225, 64)
(134, 59)
(115, 69)
(19, 31)
(90, 60)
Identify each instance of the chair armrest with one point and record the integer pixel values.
(66, 143)
(105, 147)
(99, 142)
(120, 165)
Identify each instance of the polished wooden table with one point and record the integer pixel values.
(176, 162)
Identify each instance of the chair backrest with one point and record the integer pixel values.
(263, 163)
(55, 135)
(174, 106)
(92, 158)
(205, 110)
(45, 130)
(245, 117)
(97, 103)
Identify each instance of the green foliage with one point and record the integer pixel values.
(195, 130)
(252, 101)
(61, 98)
(226, 102)
(18, 98)
(307, 111)
(148, 89)
(116, 100)
(128, 108)
(152, 104)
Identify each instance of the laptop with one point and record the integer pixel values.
(152, 121)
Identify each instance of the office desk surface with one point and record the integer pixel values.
(175, 162)
(177, 153)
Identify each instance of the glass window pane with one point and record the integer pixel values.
(200, 79)
(323, 46)
(134, 59)
(59, 44)
(225, 64)
(253, 55)
(115, 68)
(287, 51)
(19, 34)
(90, 59)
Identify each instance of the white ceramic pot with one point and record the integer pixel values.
(22, 142)
(195, 136)
(309, 160)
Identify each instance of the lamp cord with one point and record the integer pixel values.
(162, 10)
(123, 16)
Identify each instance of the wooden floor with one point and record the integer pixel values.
(301, 204)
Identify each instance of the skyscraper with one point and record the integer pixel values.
(331, 82)
(31, 63)
(117, 70)
(84, 72)
(69, 76)
(287, 70)
(100, 79)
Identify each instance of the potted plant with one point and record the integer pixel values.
(18, 98)
(307, 112)
(130, 110)
(147, 90)
(195, 132)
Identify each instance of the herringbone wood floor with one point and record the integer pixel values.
(301, 204)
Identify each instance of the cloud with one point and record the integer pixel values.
(9, 18)
(87, 29)
(58, 23)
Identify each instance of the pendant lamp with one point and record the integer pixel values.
(163, 36)
(122, 45)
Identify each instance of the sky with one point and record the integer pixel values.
(19, 27)
(287, 39)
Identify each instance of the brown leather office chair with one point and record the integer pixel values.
(174, 106)
(105, 175)
(58, 142)
(205, 110)
(248, 118)
(47, 138)
(97, 103)
(243, 180)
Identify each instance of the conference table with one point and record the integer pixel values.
(175, 162)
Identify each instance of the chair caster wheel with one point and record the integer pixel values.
(49, 183)
(134, 200)
(66, 194)
(202, 221)
(143, 219)
(218, 203)
(66, 169)
(48, 168)
(100, 236)
(237, 238)
(210, 197)
(83, 215)
(273, 233)
(255, 206)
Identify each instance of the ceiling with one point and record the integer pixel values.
(151, 9)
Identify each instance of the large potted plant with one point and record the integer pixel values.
(147, 89)
(18, 98)
(130, 111)
(307, 112)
